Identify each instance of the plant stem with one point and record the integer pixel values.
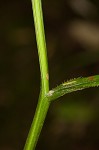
(47, 96)
(43, 103)
(41, 44)
(73, 85)
(37, 124)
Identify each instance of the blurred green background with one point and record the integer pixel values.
(72, 36)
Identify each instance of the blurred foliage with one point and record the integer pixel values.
(72, 34)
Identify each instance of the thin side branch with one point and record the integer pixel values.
(73, 85)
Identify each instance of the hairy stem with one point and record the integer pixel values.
(73, 85)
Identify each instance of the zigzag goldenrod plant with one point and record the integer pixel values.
(47, 96)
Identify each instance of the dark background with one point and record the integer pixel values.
(72, 36)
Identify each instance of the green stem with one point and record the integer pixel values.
(47, 96)
(37, 124)
(73, 85)
(41, 44)
(43, 103)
